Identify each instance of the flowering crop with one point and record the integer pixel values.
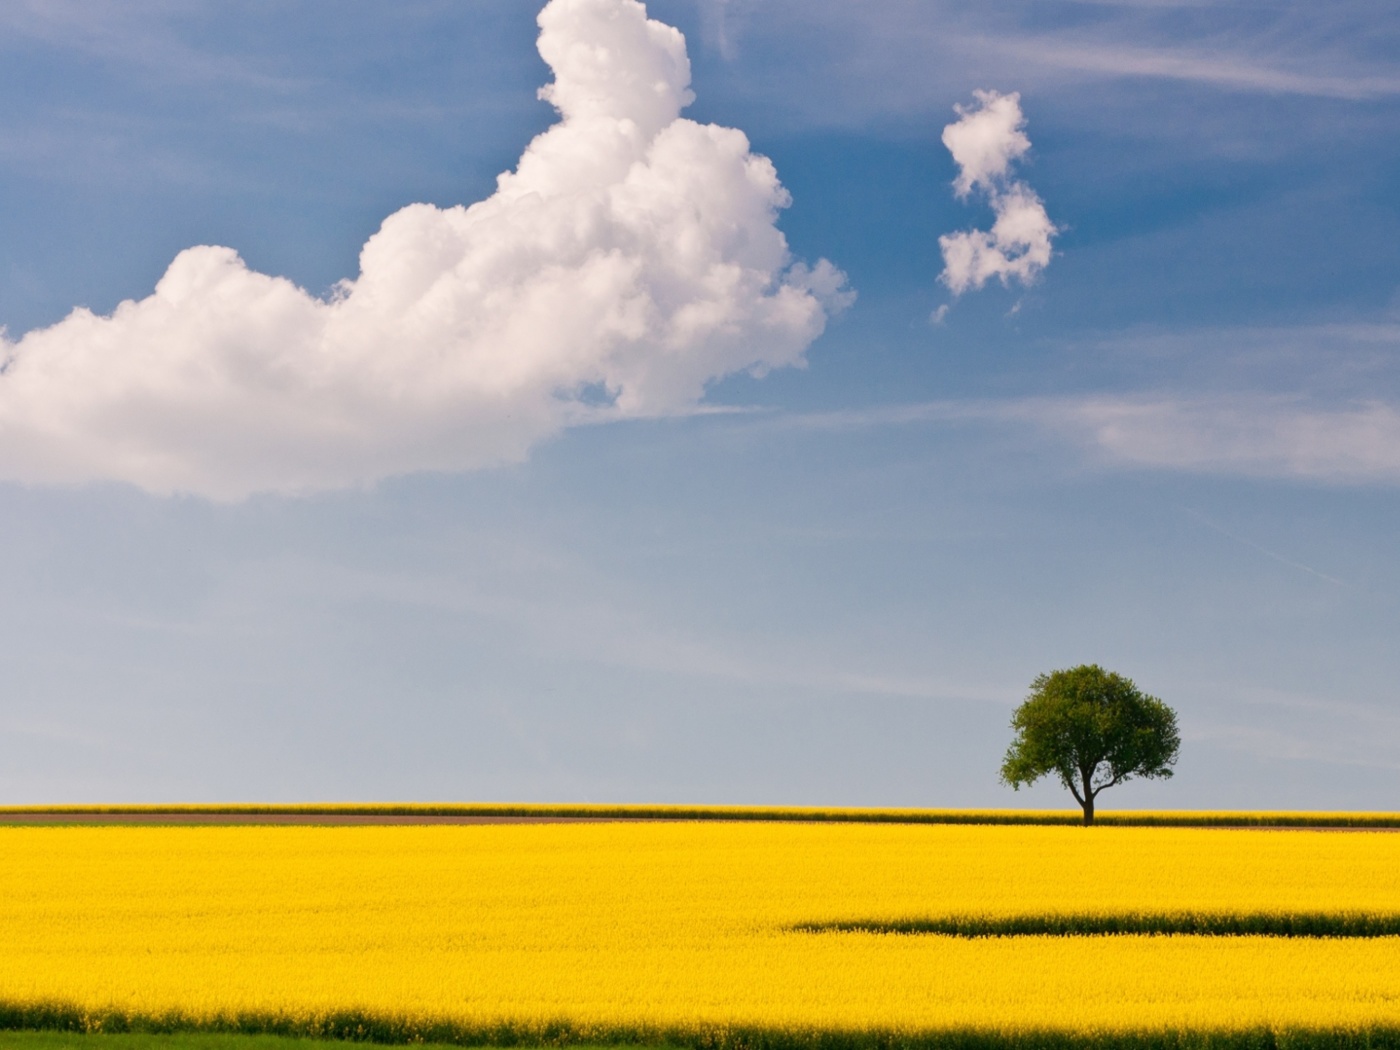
(703, 933)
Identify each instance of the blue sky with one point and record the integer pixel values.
(1175, 451)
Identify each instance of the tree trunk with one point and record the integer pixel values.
(1088, 809)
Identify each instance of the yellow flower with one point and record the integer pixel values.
(591, 930)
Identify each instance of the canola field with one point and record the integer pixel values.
(707, 934)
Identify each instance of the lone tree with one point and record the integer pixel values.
(1093, 729)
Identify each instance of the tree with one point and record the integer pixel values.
(1093, 729)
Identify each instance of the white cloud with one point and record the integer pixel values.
(1243, 435)
(985, 142)
(1259, 436)
(631, 258)
(1346, 79)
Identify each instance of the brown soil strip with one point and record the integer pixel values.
(198, 818)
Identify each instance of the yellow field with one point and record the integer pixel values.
(683, 929)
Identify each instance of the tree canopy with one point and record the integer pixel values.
(1093, 729)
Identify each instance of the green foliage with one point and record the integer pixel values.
(1093, 729)
(70, 1040)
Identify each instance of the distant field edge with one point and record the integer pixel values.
(492, 812)
(355, 1027)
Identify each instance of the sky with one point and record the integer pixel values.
(746, 417)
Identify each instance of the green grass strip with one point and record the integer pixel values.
(367, 1028)
(419, 811)
(77, 1040)
(1195, 924)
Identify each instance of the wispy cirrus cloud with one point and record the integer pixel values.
(1315, 403)
(1280, 437)
(889, 59)
(1222, 67)
(144, 36)
(1266, 436)
(1291, 726)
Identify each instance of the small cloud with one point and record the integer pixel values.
(985, 142)
(940, 315)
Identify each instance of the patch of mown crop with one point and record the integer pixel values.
(1195, 924)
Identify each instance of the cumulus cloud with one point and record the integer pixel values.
(986, 141)
(631, 258)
